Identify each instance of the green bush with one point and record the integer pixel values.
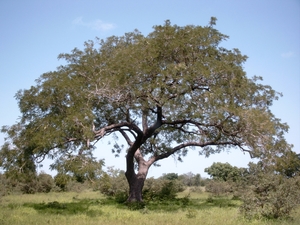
(271, 196)
(61, 180)
(112, 182)
(45, 182)
(121, 197)
(160, 189)
(168, 191)
(218, 188)
(75, 186)
(5, 185)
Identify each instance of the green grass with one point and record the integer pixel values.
(92, 208)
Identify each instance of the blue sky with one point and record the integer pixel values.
(34, 32)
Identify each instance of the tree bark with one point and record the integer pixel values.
(136, 181)
(136, 184)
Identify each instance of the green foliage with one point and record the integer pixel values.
(62, 180)
(218, 188)
(161, 188)
(170, 176)
(46, 182)
(81, 168)
(225, 172)
(168, 191)
(190, 179)
(40, 183)
(288, 164)
(270, 195)
(121, 197)
(113, 182)
(5, 187)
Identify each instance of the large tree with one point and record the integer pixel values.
(173, 90)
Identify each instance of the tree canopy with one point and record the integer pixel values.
(172, 90)
(225, 172)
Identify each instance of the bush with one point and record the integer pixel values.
(29, 187)
(45, 183)
(75, 186)
(196, 189)
(218, 188)
(113, 182)
(62, 180)
(160, 189)
(168, 191)
(271, 196)
(121, 197)
(5, 185)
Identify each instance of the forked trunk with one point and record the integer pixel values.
(136, 180)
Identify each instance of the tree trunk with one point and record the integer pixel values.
(136, 185)
(136, 181)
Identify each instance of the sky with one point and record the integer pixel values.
(34, 32)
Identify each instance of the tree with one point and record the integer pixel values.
(225, 172)
(190, 179)
(170, 176)
(173, 90)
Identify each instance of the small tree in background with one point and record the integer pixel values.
(225, 172)
(190, 179)
(226, 179)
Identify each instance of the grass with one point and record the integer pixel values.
(92, 208)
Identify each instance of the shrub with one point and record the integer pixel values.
(271, 196)
(218, 188)
(62, 180)
(168, 191)
(113, 182)
(5, 186)
(45, 183)
(160, 189)
(75, 186)
(30, 187)
(121, 197)
(196, 189)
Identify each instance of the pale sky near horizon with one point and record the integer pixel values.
(34, 32)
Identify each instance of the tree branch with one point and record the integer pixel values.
(116, 127)
(129, 142)
(188, 144)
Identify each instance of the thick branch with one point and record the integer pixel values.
(116, 127)
(188, 144)
(157, 123)
(129, 142)
(188, 121)
(144, 121)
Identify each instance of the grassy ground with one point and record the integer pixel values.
(92, 208)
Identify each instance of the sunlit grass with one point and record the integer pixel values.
(92, 208)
